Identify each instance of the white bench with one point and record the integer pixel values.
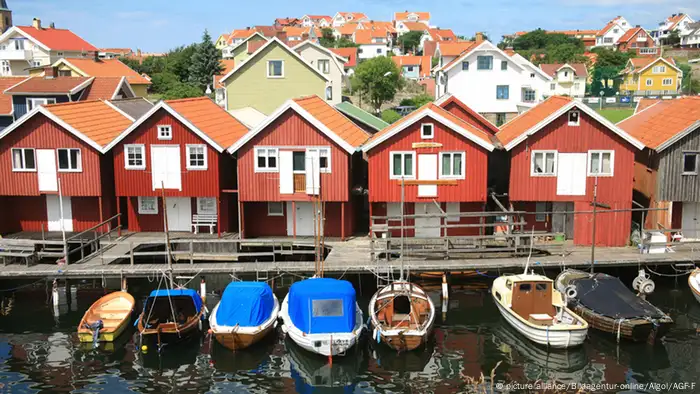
(204, 220)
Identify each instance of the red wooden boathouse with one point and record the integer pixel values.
(439, 158)
(177, 149)
(558, 149)
(456, 107)
(302, 154)
(54, 148)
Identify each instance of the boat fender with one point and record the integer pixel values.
(376, 334)
(136, 323)
(571, 291)
(639, 279)
(285, 329)
(200, 325)
(647, 286)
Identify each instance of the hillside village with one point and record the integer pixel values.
(244, 132)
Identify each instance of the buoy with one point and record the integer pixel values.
(144, 348)
(203, 290)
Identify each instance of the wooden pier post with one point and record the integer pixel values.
(342, 221)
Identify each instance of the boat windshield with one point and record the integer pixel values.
(327, 308)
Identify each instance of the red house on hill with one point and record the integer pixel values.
(558, 149)
(177, 149)
(59, 149)
(303, 153)
(439, 158)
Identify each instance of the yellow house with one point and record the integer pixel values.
(90, 67)
(221, 41)
(651, 76)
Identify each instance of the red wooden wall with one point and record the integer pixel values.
(28, 213)
(379, 209)
(458, 111)
(472, 188)
(291, 130)
(203, 183)
(259, 224)
(42, 133)
(140, 222)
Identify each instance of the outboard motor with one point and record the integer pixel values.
(95, 327)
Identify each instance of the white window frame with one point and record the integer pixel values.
(268, 68)
(649, 82)
(324, 66)
(266, 149)
(24, 160)
(79, 167)
(33, 102)
(320, 149)
(189, 166)
(270, 212)
(403, 153)
(452, 155)
(147, 211)
(165, 132)
(600, 162)
(658, 69)
(329, 93)
(697, 158)
(141, 147)
(467, 64)
(432, 131)
(544, 162)
(5, 67)
(552, 86)
(202, 210)
(578, 119)
(670, 82)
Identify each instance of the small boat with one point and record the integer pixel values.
(535, 309)
(110, 315)
(609, 306)
(402, 316)
(694, 283)
(247, 312)
(313, 374)
(321, 315)
(170, 315)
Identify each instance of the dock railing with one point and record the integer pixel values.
(95, 235)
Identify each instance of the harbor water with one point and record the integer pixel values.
(472, 350)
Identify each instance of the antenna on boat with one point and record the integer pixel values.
(529, 255)
(167, 236)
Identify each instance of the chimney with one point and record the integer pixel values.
(479, 37)
(138, 52)
(281, 35)
(52, 25)
(50, 72)
(36, 22)
(637, 26)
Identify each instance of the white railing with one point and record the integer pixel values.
(14, 54)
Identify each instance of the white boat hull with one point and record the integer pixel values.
(246, 330)
(694, 285)
(327, 344)
(559, 339)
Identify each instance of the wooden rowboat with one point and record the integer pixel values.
(114, 310)
(171, 315)
(402, 316)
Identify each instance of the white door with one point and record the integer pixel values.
(46, 169)
(571, 174)
(427, 171)
(179, 213)
(286, 167)
(427, 227)
(313, 177)
(690, 220)
(165, 167)
(305, 223)
(53, 213)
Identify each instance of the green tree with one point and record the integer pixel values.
(673, 39)
(565, 53)
(327, 38)
(410, 41)
(132, 63)
(180, 90)
(602, 76)
(343, 42)
(205, 63)
(378, 79)
(689, 85)
(608, 57)
(178, 61)
(161, 82)
(390, 116)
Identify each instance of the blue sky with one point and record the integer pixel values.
(158, 25)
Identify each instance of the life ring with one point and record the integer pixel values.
(571, 291)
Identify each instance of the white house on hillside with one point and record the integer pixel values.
(567, 79)
(692, 39)
(372, 42)
(678, 22)
(342, 18)
(327, 63)
(410, 16)
(492, 82)
(611, 33)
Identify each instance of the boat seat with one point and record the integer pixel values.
(541, 319)
(401, 318)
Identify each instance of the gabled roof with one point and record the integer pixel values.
(6, 107)
(260, 50)
(287, 21)
(539, 116)
(607, 27)
(378, 24)
(58, 85)
(318, 18)
(415, 26)
(96, 122)
(134, 106)
(106, 88)
(294, 31)
(247, 39)
(337, 59)
(644, 103)
(365, 36)
(201, 115)
(478, 46)
(664, 123)
(349, 53)
(446, 99)
(439, 114)
(580, 69)
(104, 68)
(424, 62)
(642, 63)
(454, 48)
(675, 19)
(442, 35)
(228, 64)
(399, 16)
(361, 115)
(52, 39)
(241, 33)
(354, 15)
(632, 33)
(347, 29)
(321, 115)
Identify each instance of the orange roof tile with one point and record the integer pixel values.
(348, 53)
(415, 26)
(365, 36)
(228, 64)
(102, 88)
(211, 119)
(442, 35)
(606, 28)
(418, 115)
(58, 85)
(528, 119)
(347, 29)
(629, 34)
(573, 32)
(645, 103)
(675, 19)
(96, 120)
(108, 68)
(423, 61)
(240, 34)
(58, 39)
(640, 63)
(400, 16)
(333, 119)
(121, 51)
(378, 24)
(6, 107)
(454, 48)
(660, 124)
(354, 15)
(293, 31)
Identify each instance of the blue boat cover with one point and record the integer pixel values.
(247, 304)
(179, 293)
(322, 305)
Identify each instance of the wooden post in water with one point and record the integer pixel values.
(167, 241)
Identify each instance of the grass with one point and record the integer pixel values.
(616, 114)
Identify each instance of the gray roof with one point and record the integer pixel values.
(134, 107)
(3, 5)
